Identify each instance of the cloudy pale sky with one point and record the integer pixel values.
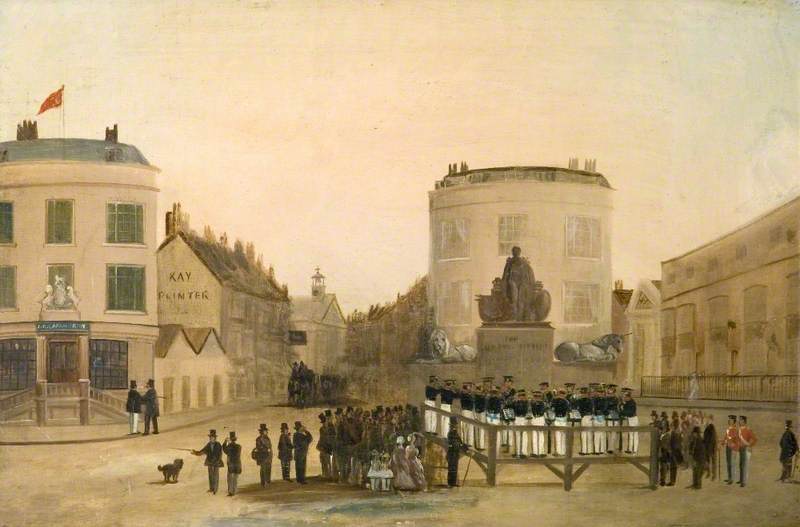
(315, 129)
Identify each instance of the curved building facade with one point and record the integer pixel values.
(560, 218)
(78, 306)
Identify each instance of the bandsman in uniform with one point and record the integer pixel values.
(538, 409)
(560, 407)
(586, 411)
(467, 397)
(612, 419)
(570, 392)
(448, 393)
(547, 393)
(432, 390)
(521, 418)
(599, 409)
(494, 410)
(731, 442)
(747, 440)
(480, 414)
(574, 415)
(507, 392)
(629, 418)
(454, 449)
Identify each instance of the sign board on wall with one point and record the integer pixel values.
(298, 338)
(66, 326)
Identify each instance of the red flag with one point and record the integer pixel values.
(53, 100)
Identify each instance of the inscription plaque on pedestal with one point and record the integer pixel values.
(525, 351)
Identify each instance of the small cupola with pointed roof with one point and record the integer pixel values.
(318, 285)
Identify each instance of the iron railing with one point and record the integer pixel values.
(772, 388)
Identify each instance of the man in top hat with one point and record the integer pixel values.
(697, 453)
(747, 440)
(560, 407)
(480, 415)
(538, 437)
(432, 390)
(150, 401)
(327, 435)
(285, 448)
(213, 452)
(467, 397)
(629, 418)
(448, 393)
(302, 440)
(584, 406)
(133, 406)
(263, 455)
(731, 442)
(233, 450)
(454, 449)
(710, 442)
(788, 446)
(521, 418)
(612, 419)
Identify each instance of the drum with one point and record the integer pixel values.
(508, 414)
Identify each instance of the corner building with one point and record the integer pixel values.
(559, 217)
(78, 315)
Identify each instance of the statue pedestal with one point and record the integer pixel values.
(521, 349)
(48, 315)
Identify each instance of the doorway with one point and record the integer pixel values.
(62, 361)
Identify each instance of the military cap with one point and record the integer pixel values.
(449, 381)
(321, 417)
(627, 389)
(583, 389)
(544, 383)
(432, 378)
(297, 425)
(328, 412)
(569, 384)
(508, 377)
(537, 392)
(521, 393)
(789, 423)
(743, 418)
(611, 386)
(284, 426)
(731, 416)
(488, 379)
(212, 433)
(339, 411)
(562, 390)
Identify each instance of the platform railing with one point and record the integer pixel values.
(767, 388)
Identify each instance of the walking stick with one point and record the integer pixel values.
(466, 472)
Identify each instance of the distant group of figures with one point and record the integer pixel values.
(307, 388)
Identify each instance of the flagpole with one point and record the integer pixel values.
(63, 127)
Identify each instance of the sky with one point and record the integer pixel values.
(316, 129)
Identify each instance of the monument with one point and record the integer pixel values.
(515, 337)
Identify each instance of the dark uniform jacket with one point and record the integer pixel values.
(697, 449)
(134, 402)
(494, 404)
(538, 408)
(560, 407)
(285, 447)
(480, 403)
(327, 436)
(788, 445)
(263, 450)
(467, 401)
(447, 396)
(628, 409)
(301, 440)
(584, 405)
(234, 453)
(710, 439)
(612, 407)
(520, 408)
(150, 401)
(599, 405)
(213, 453)
(431, 392)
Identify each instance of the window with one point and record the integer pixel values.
(755, 325)
(454, 302)
(453, 239)
(792, 321)
(6, 222)
(114, 154)
(581, 303)
(8, 287)
(124, 223)
(125, 288)
(109, 364)
(511, 230)
(668, 332)
(583, 237)
(685, 328)
(59, 221)
(17, 364)
(58, 272)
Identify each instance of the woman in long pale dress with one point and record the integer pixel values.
(399, 466)
(415, 469)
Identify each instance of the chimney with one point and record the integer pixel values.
(170, 224)
(112, 134)
(618, 285)
(27, 131)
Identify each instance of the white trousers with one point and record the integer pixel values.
(480, 433)
(538, 438)
(600, 440)
(430, 417)
(587, 439)
(133, 422)
(561, 437)
(612, 437)
(445, 420)
(467, 428)
(632, 437)
(494, 419)
(520, 438)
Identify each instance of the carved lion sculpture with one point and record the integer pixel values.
(443, 350)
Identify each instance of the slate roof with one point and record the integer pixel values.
(314, 309)
(196, 337)
(91, 150)
(232, 268)
(544, 174)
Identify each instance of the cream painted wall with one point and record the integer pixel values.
(188, 293)
(547, 206)
(90, 185)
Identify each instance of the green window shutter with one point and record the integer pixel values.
(6, 222)
(59, 221)
(125, 223)
(126, 288)
(139, 238)
(8, 287)
(111, 220)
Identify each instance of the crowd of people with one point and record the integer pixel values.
(307, 388)
(596, 406)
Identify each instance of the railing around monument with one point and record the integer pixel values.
(764, 388)
(491, 463)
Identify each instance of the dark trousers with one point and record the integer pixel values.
(729, 463)
(265, 470)
(325, 463)
(285, 467)
(743, 468)
(300, 468)
(697, 475)
(786, 468)
(452, 470)
(668, 467)
(213, 479)
(147, 419)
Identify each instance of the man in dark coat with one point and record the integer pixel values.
(285, 448)
(302, 440)
(150, 401)
(325, 444)
(213, 453)
(233, 450)
(697, 452)
(710, 443)
(788, 446)
(454, 448)
(134, 407)
(263, 455)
